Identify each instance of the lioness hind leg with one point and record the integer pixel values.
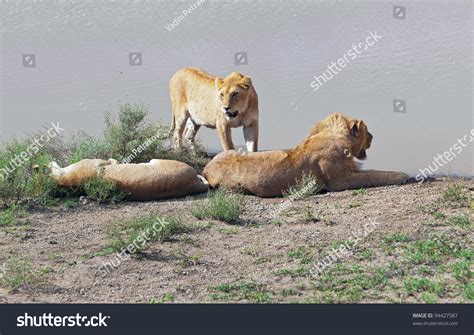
(190, 133)
(76, 174)
(369, 178)
(180, 124)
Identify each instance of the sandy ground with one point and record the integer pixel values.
(258, 259)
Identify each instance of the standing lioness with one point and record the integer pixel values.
(200, 99)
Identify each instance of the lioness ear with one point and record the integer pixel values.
(218, 82)
(357, 127)
(246, 82)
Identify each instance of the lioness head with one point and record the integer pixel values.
(232, 94)
(362, 138)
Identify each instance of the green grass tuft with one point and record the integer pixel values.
(360, 191)
(166, 298)
(221, 205)
(460, 220)
(455, 195)
(469, 291)
(12, 215)
(433, 250)
(413, 285)
(395, 237)
(462, 271)
(439, 215)
(18, 274)
(256, 293)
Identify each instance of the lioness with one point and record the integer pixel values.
(328, 153)
(158, 179)
(200, 99)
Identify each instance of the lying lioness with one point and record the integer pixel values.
(157, 179)
(328, 153)
(200, 99)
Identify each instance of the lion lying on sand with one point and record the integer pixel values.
(157, 179)
(328, 153)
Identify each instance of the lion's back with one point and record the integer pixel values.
(190, 78)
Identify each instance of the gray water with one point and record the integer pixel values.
(82, 67)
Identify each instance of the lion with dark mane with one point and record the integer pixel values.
(327, 153)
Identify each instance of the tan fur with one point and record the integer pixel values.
(157, 179)
(198, 99)
(75, 174)
(328, 153)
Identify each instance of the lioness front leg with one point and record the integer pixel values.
(251, 136)
(225, 135)
(368, 178)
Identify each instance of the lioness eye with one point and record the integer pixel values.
(222, 95)
(234, 94)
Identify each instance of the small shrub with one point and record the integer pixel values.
(83, 146)
(103, 191)
(132, 130)
(198, 159)
(45, 189)
(21, 181)
(15, 179)
(134, 232)
(309, 215)
(303, 187)
(220, 205)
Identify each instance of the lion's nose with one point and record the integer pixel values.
(226, 108)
